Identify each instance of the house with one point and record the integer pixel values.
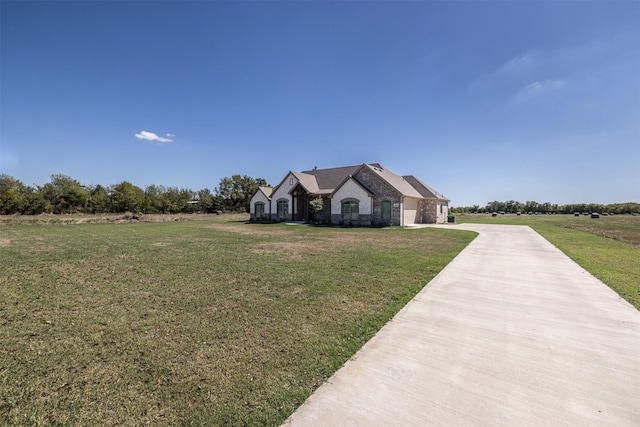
(367, 194)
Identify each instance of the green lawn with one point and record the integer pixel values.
(608, 247)
(207, 322)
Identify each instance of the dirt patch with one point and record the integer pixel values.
(292, 250)
(248, 229)
(4, 242)
(328, 239)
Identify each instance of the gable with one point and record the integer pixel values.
(263, 194)
(351, 189)
(266, 191)
(352, 186)
(396, 181)
(307, 181)
(282, 190)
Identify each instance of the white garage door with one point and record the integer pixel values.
(410, 211)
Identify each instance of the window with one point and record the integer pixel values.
(386, 211)
(259, 210)
(283, 209)
(350, 211)
(441, 209)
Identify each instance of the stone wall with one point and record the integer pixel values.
(383, 192)
(431, 211)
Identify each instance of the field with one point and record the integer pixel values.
(211, 321)
(608, 247)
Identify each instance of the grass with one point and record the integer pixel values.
(208, 322)
(608, 247)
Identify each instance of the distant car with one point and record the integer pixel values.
(595, 215)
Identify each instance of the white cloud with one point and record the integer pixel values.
(170, 135)
(538, 88)
(519, 63)
(150, 136)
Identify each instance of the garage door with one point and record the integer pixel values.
(410, 211)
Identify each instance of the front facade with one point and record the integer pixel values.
(361, 195)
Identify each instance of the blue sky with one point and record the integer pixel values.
(484, 101)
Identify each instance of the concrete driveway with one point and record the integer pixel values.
(511, 333)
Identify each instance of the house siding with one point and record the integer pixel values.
(444, 207)
(351, 190)
(259, 197)
(282, 193)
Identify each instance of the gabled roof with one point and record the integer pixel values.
(267, 191)
(396, 181)
(329, 179)
(352, 178)
(326, 181)
(307, 181)
(424, 189)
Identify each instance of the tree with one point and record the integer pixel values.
(174, 201)
(177, 200)
(530, 206)
(35, 204)
(12, 195)
(99, 200)
(209, 202)
(65, 195)
(126, 197)
(496, 206)
(236, 192)
(316, 205)
(153, 199)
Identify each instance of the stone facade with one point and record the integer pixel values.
(383, 192)
(434, 211)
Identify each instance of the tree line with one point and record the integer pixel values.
(532, 207)
(64, 195)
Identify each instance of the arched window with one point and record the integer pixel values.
(386, 211)
(350, 210)
(259, 207)
(283, 209)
